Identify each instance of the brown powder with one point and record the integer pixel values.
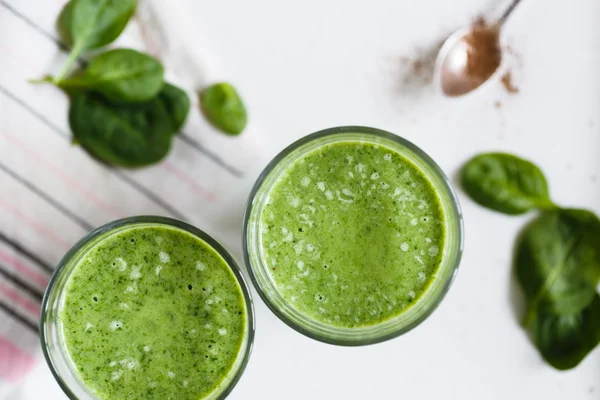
(508, 83)
(484, 53)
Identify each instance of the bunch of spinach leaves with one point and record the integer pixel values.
(557, 256)
(121, 109)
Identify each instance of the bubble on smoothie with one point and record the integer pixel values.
(433, 251)
(146, 348)
(419, 260)
(132, 288)
(329, 195)
(116, 375)
(158, 239)
(273, 244)
(288, 235)
(310, 247)
(309, 208)
(412, 294)
(130, 363)
(157, 270)
(360, 168)
(209, 301)
(114, 325)
(124, 306)
(305, 181)
(375, 176)
(404, 246)
(294, 201)
(321, 186)
(185, 383)
(300, 265)
(88, 326)
(319, 297)
(387, 157)
(427, 240)
(171, 374)
(164, 257)
(422, 252)
(304, 274)
(120, 264)
(222, 331)
(350, 174)
(135, 273)
(225, 311)
(298, 248)
(152, 384)
(384, 185)
(413, 221)
(273, 262)
(422, 277)
(303, 218)
(293, 298)
(112, 364)
(208, 326)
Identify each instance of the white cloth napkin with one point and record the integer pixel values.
(52, 192)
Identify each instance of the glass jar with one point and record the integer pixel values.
(51, 330)
(329, 333)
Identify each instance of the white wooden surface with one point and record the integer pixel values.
(307, 65)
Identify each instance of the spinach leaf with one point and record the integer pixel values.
(63, 24)
(565, 339)
(122, 135)
(223, 107)
(121, 75)
(558, 262)
(91, 24)
(505, 183)
(177, 104)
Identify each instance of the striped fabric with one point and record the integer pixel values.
(52, 193)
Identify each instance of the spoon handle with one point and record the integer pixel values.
(508, 11)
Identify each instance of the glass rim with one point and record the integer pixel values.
(338, 131)
(160, 220)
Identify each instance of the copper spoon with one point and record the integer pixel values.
(470, 56)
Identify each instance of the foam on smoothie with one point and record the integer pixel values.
(133, 310)
(352, 234)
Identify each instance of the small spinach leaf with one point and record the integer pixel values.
(122, 75)
(565, 339)
(505, 183)
(91, 24)
(128, 136)
(558, 262)
(223, 107)
(177, 104)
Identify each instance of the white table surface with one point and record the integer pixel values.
(307, 65)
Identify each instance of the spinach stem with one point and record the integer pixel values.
(69, 63)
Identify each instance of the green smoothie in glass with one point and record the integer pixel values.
(153, 312)
(350, 234)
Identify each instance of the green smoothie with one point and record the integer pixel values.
(352, 234)
(153, 312)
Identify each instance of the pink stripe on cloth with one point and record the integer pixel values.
(23, 269)
(15, 298)
(70, 181)
(190, 181)
(40, 228)
(14, 362)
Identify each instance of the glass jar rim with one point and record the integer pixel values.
(339, 132)
(158, 220)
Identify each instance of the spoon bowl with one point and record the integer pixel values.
(452, 65)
